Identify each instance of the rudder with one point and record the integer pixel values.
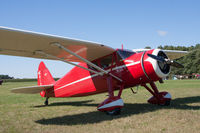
(44, 76)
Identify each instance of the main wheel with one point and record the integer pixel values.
(164, 99)
(116, 111)
(167, 103)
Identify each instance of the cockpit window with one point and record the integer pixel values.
(106, 62)
(110, 60)
(125, 53)
(96, 63)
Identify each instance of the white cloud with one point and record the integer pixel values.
(162, 33)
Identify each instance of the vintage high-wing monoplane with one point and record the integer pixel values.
(99, 69)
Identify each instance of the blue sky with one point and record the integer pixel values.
(135, 23)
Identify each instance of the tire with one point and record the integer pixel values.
(167, 103)
(114, 112)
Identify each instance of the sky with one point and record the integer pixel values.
(133, 23)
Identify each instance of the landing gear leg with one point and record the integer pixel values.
(159, 98)
(46, 103)
(113, 104)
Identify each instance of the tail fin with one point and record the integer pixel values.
(44, 76)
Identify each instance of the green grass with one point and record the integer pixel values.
(24, 113)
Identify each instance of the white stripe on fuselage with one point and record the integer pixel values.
(94, 75)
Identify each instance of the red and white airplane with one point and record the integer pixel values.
(99, 69)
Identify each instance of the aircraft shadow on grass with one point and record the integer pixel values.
(128, 110)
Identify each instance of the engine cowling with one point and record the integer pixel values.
(161, 69)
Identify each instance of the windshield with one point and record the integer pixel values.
(125, 53)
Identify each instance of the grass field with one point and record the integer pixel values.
(25, 114)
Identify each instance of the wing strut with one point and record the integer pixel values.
(51, 56)
(81, 58)
(84, 60)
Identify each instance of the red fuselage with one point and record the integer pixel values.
(135, 70)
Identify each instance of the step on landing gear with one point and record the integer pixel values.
(159, 98)
(113, 104)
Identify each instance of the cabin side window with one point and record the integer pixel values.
(91, 67)
(110, 60)
(106, 62)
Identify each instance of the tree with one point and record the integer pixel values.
(147, 47)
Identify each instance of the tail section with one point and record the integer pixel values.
(44, 76)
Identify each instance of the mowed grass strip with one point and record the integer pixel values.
(21, 113)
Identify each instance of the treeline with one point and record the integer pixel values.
(6, 77)
(19, 80)
(190, 61)
(22, 80)
(182, 48)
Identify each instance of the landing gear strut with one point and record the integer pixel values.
(113, 104)
(159, 98)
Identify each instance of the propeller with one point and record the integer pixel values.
(166, 61)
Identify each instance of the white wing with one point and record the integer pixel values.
(25, 43)
(172, 54)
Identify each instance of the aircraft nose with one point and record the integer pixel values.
(161, 69)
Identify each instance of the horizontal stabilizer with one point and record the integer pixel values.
(32, 89)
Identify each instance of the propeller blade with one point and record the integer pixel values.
(176, 64)
(166, 61)
(158, 58)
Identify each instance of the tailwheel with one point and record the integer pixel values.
(114, 112)
(46, 103)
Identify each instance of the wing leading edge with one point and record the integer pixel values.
(172, 54)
